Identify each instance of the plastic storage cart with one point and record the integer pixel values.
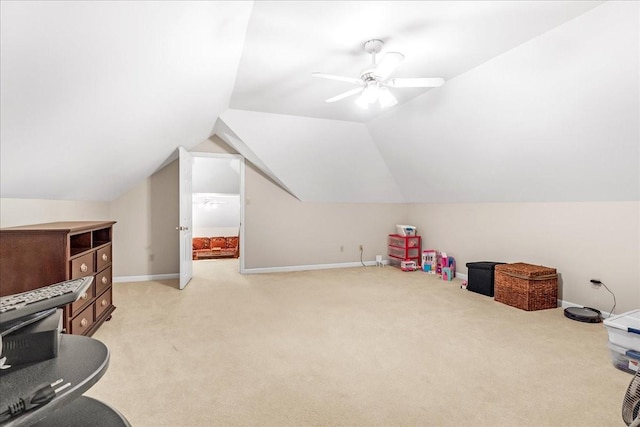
(404, 248)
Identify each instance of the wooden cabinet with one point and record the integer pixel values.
(38, 255)
(404, 248)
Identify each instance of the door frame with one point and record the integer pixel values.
(242, 197)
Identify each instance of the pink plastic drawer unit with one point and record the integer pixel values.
(404, 248)
(404, 242)
(624, 330)
(404, 253)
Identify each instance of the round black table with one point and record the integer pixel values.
(81, 361)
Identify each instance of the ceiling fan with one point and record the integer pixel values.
(374, 82)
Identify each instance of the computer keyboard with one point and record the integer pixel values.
(15, 306)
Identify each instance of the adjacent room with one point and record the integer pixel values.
(216, 207)
(229, 175)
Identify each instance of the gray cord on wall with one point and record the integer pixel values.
(614, 299)
(598, 282)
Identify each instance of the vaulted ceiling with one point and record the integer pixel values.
(540, 101)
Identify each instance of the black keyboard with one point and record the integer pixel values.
(15, 306)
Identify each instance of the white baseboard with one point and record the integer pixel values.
(565, 304)
(259, 270)
(310, 267)
(145, 278)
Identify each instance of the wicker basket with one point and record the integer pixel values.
(525, 286)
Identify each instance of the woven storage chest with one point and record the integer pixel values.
(525, 286)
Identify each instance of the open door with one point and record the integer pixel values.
(185, 227)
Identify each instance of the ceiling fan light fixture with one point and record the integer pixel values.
(371, 92)
(362, 102)
(385, 98)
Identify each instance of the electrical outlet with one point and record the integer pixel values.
(361, 248)
(595, 283)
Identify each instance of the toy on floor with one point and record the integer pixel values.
(408, 266)
(446, 267)
(463, 285)
(429, 261)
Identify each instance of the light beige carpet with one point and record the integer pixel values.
(362, 346)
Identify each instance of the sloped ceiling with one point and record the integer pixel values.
(96, 95)
(318, 160)
(539, 95)
(557, 119)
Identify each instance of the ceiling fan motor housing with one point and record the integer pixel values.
(369, 76)
(373, 46)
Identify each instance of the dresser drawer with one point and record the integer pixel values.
(85, 299)
(103, 257)
(83, 321)
(103, 280)
(83, 266)
(103, 302)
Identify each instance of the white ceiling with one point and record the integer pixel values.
(215, 175)
(95, 96)
(287, 41)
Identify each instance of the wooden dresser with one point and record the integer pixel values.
(38, 255)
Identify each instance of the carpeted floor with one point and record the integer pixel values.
(361, 346)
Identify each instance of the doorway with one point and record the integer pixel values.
(218, 205)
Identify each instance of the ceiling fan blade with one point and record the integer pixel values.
(416, 82)
(345, 94)
(340, 78)
(389, 63)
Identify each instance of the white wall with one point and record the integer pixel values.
(15, 212)
(583, 241)
(222, 218)
(281, 231)
(146, 242)
(215, 231)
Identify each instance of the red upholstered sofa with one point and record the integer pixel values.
(215, 247)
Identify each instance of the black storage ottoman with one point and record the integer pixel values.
(480, 277)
